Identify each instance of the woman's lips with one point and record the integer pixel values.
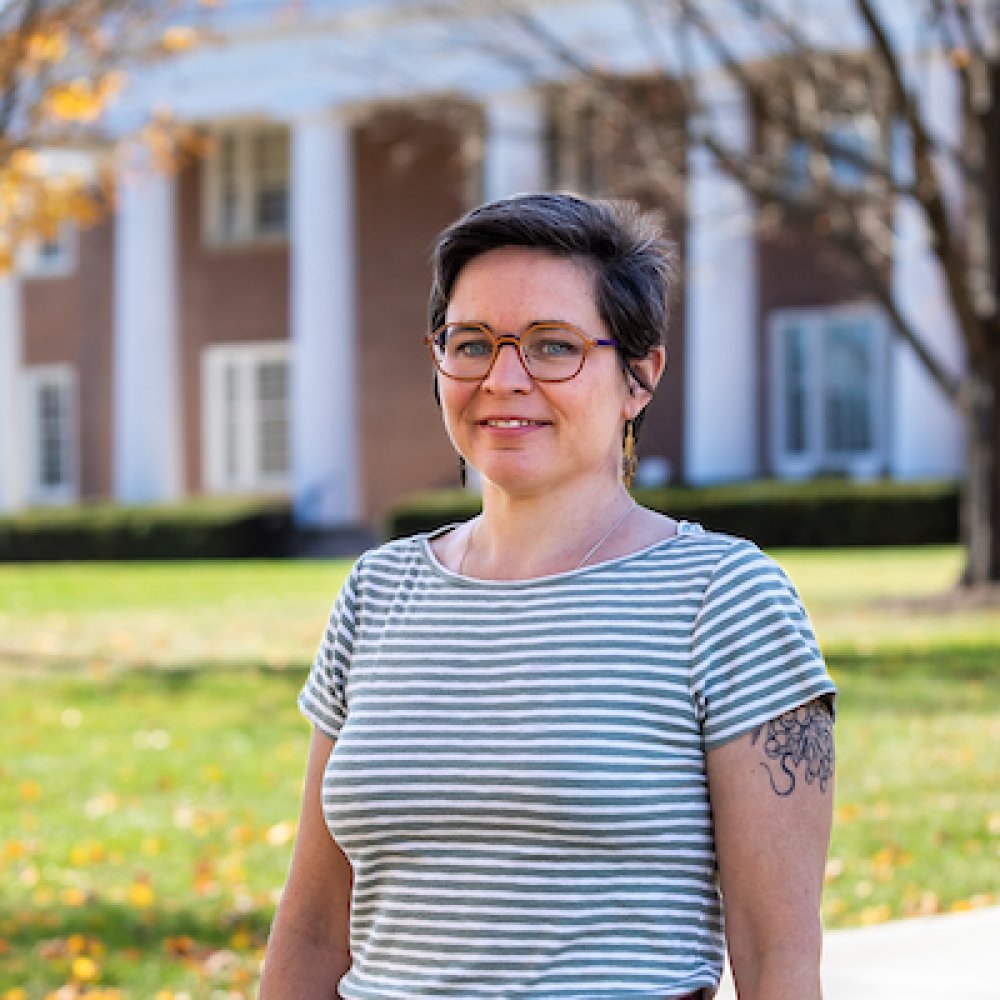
(511, 423)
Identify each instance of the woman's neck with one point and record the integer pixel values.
(520, 537)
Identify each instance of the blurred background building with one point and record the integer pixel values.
(251, 322)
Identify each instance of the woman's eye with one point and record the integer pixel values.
(470, 346)
(556, 347)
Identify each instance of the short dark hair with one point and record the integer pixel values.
(626, 250)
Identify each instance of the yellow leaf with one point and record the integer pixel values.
(241, 940)
(12, 850)
(179, 39)
(76, 944)
(875, 915)
(47, 47)
(242, 834)
(85, 969)
(24, 161)
(151, 846)
(213, 773)
(73, 897)
(29, 791)
(141, 895)
(847, 813)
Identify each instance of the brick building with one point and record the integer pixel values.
(252, 324)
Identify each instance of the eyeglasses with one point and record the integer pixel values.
(549, 352)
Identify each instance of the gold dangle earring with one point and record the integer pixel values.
(629, 460)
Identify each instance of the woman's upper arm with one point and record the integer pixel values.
(772, 805)
(309, 947)
(318, 866)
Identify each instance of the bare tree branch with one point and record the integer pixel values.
(927, 189)
(849, 239)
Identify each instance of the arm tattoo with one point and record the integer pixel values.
(800, 738)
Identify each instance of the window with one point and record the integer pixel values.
(51, 426)
(829, 382)
(49, 257)
(247, 180)
(855, 140)
(246, 427)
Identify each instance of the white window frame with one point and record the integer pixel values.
(237, 471)
(815, 459)
(245, 231)
(62, 378)
(33, 262)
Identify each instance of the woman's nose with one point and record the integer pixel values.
(508, 372)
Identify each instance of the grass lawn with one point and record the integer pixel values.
(152, 759)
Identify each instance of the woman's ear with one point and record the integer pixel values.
(647, 372)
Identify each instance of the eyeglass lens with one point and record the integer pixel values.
(548, 352)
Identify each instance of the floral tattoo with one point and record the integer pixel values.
(800, 741)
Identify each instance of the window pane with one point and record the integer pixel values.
(848, 376)
(796, 363)
(53, 442)
(272, 416)
(228, 187)
(271, 165)
(860, 138)
(231, 423)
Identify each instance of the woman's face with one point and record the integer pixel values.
(524, 436)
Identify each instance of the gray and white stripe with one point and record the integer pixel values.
(519, 777)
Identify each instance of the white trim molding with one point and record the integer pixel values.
(12, 492)
(326, 475)
(148, 445)
(720, 327)
(514, 160)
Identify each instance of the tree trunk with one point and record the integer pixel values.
(980, 514)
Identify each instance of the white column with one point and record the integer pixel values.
(926, 430)
(721, 353)
(324, 414)
(515, 152)
(147, 411)
(12, 472)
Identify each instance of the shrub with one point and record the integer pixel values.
(201, 529)
(773, 513)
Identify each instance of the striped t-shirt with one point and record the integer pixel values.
(519, 775)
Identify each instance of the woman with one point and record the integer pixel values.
(547, 738)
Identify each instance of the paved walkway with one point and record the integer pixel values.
(954, 957)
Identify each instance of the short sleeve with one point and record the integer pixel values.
(323, 698)
(754, 654)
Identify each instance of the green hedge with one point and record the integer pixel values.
(817, 513)
(197, 530)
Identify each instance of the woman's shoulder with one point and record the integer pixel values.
(705, 543)
(391, 554)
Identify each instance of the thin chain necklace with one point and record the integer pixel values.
(632, 507)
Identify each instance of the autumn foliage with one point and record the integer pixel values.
(63, 63)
